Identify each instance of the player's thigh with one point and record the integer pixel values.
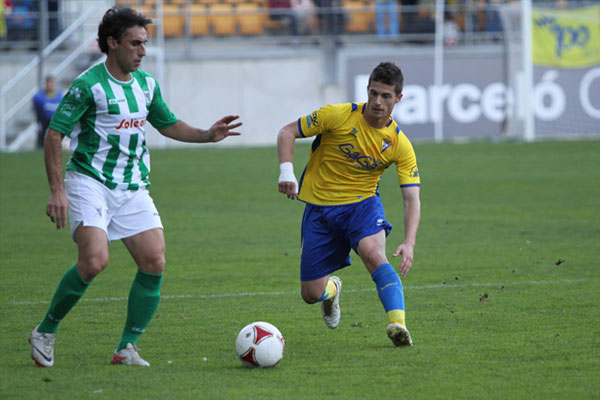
(325, 248)
(148, 250)
(371, 250)
(367, 218)
(88, 202)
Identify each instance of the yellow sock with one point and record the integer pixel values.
(397, 316)
(330, 290)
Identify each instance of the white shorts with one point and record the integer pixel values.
(119, 213)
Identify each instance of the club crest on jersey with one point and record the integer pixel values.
(385, 144)
(147, 96)
(75, 92)
(132, 123)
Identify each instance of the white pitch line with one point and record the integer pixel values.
(252, 294)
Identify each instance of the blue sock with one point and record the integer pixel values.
(389, 289)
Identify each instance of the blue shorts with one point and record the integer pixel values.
(329, 232)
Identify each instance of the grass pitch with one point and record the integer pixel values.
(502, 301)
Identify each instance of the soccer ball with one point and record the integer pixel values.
(260, 344)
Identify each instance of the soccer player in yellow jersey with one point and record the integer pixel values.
(354, 144)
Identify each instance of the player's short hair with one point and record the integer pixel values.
(116, 21)
(388, 73)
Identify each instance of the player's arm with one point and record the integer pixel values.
(288, 184)
(412, 217)
(218, 131)
(57, 205)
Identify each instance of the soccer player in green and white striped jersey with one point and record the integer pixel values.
(105, 188)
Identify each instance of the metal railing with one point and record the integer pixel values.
(8, 112)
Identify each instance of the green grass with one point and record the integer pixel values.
(491, 313)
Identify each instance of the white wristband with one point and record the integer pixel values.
(286, 173)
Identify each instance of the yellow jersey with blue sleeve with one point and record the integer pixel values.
(348, 155)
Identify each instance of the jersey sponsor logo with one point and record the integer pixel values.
(132, 123)
(67, 109)
(312, 119)
(360, 161)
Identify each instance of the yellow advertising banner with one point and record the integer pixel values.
(566, 38)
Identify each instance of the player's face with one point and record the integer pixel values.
(381, 101)
(130, 50)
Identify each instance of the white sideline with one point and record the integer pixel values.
(250, 294)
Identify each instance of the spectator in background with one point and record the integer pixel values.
(281, 10)
(53, 27)
(451, 30)
(421, 22)
(21, 20)
(331, 16)
(491, 17)
(389, 9)
(305, 16)
(45, 103)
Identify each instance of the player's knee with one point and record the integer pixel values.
(373, 257)
(90, 266)
(310, 296)
(154, 263)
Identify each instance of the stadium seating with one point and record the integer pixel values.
(174, 20)
(250, 18)
(199, 20)
(361, 18)
(223, 19)
(240, 17)
(149, 12)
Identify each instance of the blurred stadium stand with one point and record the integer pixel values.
(239, 18)
(334, 31)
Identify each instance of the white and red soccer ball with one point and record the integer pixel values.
(260, 344)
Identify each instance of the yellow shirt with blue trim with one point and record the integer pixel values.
(348, 155)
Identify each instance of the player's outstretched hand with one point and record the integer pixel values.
(223, 128)
(407, 252)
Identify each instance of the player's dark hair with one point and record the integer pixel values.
(388, 73)
(116, 21)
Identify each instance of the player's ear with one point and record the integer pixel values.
(112, 42)
(398, 97)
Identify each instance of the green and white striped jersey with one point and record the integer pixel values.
(106, 120)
